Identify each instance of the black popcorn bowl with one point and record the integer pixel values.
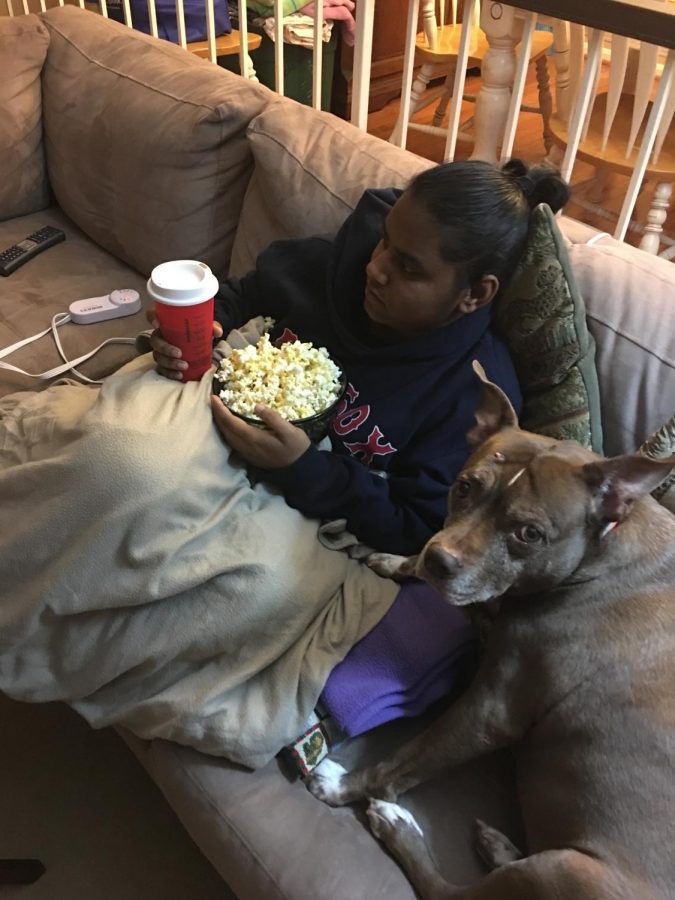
(315, 427)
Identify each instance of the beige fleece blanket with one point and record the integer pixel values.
(145, 582)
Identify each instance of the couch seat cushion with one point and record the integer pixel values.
(269, 837)
(23, 182)
(72, 270)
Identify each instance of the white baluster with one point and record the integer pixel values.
(317, 56)
(648, 139)
(245, 62)
(577, 54)
(519, 85)
(152, 17)
(363, 49)
(460, 79)
(399, 135)
(666, 121)
(582, 103)
(279, 47)
(617, 76)
(180, 23)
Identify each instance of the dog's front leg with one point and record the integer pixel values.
(391, 566)
(495, 711)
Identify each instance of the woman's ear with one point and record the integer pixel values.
(479, 294)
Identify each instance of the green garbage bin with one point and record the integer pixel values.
(297, 67)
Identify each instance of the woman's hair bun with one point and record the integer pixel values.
(539, 183)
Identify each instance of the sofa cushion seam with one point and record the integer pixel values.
(107, 68)
(314, 176)
(596, 318)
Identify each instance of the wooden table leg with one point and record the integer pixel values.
(501, 28)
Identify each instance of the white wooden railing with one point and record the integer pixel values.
(503, 70)
(239, 43)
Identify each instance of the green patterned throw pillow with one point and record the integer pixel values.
(661, 445)
(541, 317)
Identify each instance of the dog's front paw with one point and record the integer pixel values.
(390, 566)
(325, 782)
(390, 822)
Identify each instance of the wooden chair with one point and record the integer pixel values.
(621, 122)
(438, 49)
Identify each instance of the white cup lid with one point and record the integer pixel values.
(182, 282)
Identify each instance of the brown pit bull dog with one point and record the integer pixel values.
(578, 671)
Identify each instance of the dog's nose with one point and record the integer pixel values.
(441, 563)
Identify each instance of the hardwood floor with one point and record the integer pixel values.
(529, 146)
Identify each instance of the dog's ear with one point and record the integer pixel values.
(494, 410)
(618, 482)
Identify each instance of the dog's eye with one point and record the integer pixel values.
(529, 534)
(462, 488)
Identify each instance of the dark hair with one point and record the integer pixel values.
(483, 211)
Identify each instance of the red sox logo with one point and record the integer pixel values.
(349, 418)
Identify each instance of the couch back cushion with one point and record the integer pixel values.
(310, 170)
(146, 144)
(23, 183)
(630, 308)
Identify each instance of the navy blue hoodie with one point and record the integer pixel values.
(398, 440)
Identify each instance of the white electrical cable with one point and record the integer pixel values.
(69, 365)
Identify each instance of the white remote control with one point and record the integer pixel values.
(118, 303)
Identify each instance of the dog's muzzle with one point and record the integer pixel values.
(441, 564)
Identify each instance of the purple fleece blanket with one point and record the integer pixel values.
(410, 659)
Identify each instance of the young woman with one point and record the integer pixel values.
(401, 297)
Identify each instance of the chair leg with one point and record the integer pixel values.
(446, 97)
(598, 185)
(545, 99)
(419, 86)
(20, 871)
(656, 217)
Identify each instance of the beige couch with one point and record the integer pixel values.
(141, 154)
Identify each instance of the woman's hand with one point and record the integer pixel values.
(277, 445)
(168, 357)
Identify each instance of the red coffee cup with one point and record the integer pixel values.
(183, 291)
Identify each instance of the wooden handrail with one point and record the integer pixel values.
(644, 20)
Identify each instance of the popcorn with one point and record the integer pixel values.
(296, 379)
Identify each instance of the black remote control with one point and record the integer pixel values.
(17, 255)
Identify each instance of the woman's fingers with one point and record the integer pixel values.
(275, 422)
(278, 444)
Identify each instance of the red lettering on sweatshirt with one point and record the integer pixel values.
(286, 337)
(366, 452)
